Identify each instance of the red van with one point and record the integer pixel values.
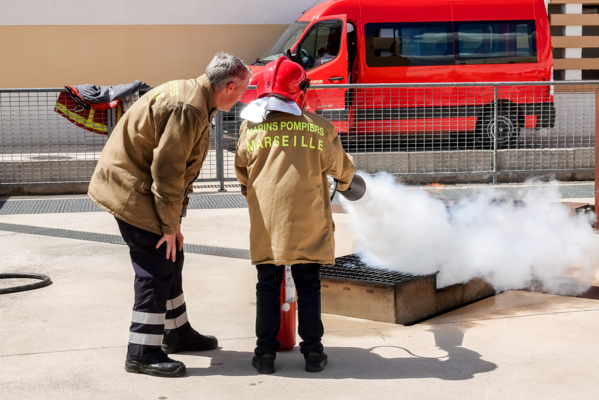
(341, 42)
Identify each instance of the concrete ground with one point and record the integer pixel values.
(68, 340)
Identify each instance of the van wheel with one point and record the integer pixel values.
(508, 128)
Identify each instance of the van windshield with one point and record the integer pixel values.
(285, 42)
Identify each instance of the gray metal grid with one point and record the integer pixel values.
(351, 268)
(71, 205)
(38, 145)
(429, 130)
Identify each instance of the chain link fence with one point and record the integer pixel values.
(437, 132)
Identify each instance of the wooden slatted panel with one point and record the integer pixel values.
(575, 41)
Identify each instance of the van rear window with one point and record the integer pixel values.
(444, 43)
(496, 42)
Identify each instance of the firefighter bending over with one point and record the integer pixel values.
(144, 177)
(283, 158)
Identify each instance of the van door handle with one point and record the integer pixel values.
(335, 78)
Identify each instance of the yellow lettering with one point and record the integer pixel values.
(312, 147)
(295, 141)
(319, 145)
(259, 143)
(267, 141)
(250, 145)
(284, 139)
(174, 88)
(275, 141)
(297, 126)
(304, 144)
(283, 124)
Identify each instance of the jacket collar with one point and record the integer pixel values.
(208, 93)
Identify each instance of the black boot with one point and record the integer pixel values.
(190, 341)
(315, 361)
(163, 367)
(264, 363)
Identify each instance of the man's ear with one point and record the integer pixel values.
(231, 86)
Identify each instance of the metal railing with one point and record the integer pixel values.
(420, 132)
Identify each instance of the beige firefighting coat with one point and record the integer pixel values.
(153, 156)
(282, 165)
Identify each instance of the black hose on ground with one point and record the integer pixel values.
(44, 280)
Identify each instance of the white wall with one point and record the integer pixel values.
(150, 12)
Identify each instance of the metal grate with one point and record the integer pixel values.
(351, 268)
(52, 206)
(115, 239)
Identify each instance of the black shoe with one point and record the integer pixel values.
(166, 368)
(193, 342)
(315, 361)
(264, 363)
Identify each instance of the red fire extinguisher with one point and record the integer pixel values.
(286, 336)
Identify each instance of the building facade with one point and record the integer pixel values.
(72, 42)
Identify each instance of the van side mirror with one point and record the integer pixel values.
(292, 57)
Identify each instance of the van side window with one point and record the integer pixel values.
(480, 42)
(500, 42)
(402, 45)
(320, 45)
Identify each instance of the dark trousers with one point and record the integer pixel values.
(158, 294)
(268, 306)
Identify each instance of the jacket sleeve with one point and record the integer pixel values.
(340, 165)
(173, 147)
(241, 160)
(186, 201)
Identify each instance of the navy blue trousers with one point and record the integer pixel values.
(159, 308)
(268, 306)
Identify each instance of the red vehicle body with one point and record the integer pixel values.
(424, 41)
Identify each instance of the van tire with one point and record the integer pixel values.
(508, 128)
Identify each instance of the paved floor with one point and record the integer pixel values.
(68, 340)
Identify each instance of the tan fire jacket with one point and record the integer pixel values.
(148, 165)
(282, 165)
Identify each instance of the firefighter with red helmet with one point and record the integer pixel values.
(283, 158)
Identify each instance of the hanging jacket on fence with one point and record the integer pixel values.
(105, 94)
(86, 105)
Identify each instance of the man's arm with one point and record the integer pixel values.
(169, 165)
(341, 165)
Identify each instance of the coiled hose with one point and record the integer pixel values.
(44, 280)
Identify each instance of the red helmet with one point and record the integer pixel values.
(285, 78)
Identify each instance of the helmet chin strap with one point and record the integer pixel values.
(304, 85)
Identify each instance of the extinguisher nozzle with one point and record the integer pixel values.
(356, 189)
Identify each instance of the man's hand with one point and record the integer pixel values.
(172, 241)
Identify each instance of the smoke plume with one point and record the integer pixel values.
(536, 242)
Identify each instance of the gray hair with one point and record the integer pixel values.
(224, 69)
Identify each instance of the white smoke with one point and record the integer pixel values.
(512, 245)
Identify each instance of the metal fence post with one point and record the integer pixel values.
(109, 125)
(220, 165)
(495, 107)
(596, 147)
